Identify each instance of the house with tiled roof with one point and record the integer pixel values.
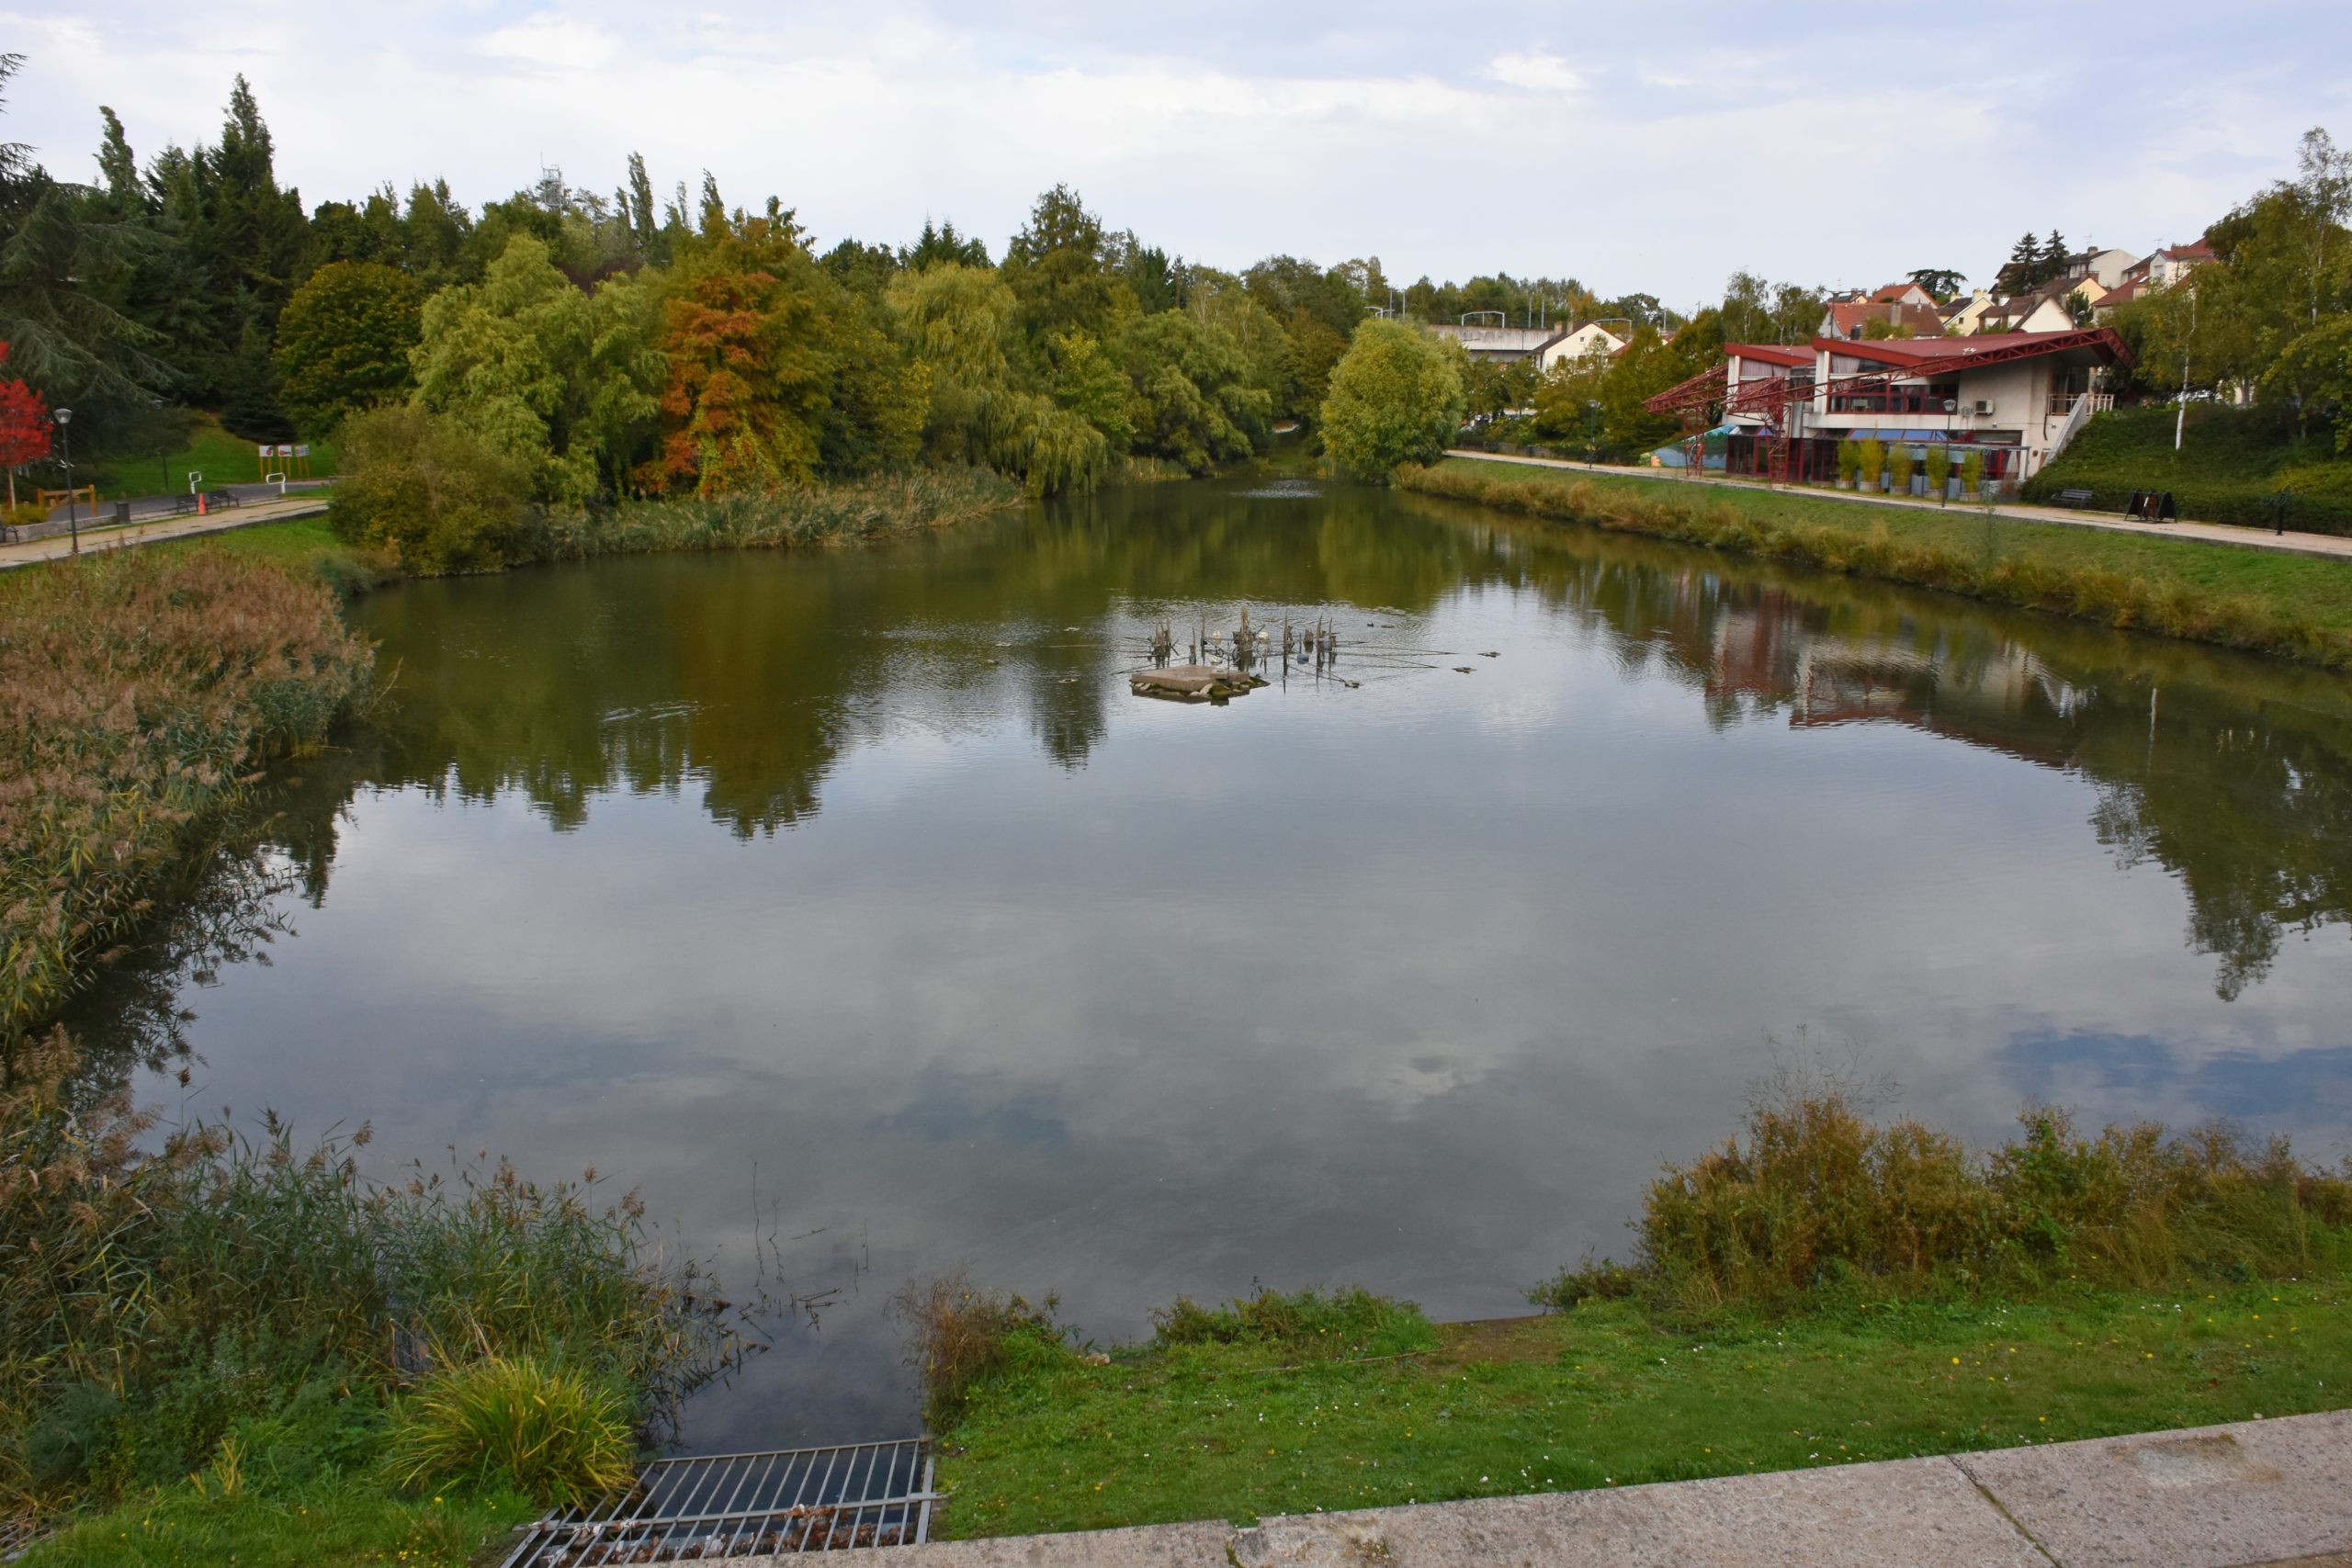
(2039, 311)
(1963, 315)
(2103, 310)
(2170, 265)
(1572, 344)
(1905, 293)
(1853, 319)
(2106, 267)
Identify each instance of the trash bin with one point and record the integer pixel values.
(121, 511)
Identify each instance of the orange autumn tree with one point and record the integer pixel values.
(750, 369)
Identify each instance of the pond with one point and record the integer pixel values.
(849, 904)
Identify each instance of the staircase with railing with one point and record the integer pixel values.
(2078, 408)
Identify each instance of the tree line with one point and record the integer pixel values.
(640, 343)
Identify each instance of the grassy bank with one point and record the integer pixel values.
(1821, 1292)
(1613, 1395)
(138, 690)
(2287, 606)
(2233, 466)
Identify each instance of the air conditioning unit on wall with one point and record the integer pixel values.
(1983, 406)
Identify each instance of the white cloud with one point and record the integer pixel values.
(1318, 132)
(1539, 71)
(552, 42)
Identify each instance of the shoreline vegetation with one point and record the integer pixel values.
(1824, 1291)
(139, 692)
(435, 1358)
(448, 1354)
(2284, 606)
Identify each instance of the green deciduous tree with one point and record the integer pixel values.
(563, 381)
(1192, 395)
(961, 325)
(1396, 398)
(343, 342)
(418, 483)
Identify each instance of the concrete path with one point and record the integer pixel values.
(155, 531)
(2330, 546)
(2258, 1492)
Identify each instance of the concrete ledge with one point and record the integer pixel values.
(1862, 1515)
(2255, 1492)
(2275, 1491)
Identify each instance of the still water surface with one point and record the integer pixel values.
(849, 904)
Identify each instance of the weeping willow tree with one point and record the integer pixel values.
(962, 324)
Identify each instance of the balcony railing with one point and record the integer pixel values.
(2063, 403)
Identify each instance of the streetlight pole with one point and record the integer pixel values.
(64, 418)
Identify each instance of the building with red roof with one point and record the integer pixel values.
(2015, 399)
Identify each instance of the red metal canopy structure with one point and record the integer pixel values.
(1707, 399)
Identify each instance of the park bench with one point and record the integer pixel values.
(2074, 497)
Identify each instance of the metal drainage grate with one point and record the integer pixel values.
(792, 1500)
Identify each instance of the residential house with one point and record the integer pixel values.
(2103, 310)
(1574, 342)
(2170, 265)
(2014, 398)
(2106, 267)
(1852, 319)
(2039, 312)
(1905, 293)
(1962, 315)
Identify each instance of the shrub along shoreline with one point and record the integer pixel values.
(2284, 606)
(1822, 1291)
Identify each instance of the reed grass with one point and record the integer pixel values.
(154, 1293)
(957, 1334)
(138, 692)
(1817, 1197)
(2170, 604)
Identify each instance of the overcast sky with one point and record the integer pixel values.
(1633, 146)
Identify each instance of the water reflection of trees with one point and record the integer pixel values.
(2234, 774)
(746, 678)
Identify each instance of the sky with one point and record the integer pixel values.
(1655, 147)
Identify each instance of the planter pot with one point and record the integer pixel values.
(1918, 485)
(1952, 490)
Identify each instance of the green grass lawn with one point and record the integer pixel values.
(1609, 1396)
(223, 458)
(2231, 466)
(2311, 589)
(328, 1525)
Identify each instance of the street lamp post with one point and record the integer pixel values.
(64, 418)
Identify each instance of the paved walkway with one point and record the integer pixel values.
(185, 526)
(2258, 1491)
(2331, 546)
